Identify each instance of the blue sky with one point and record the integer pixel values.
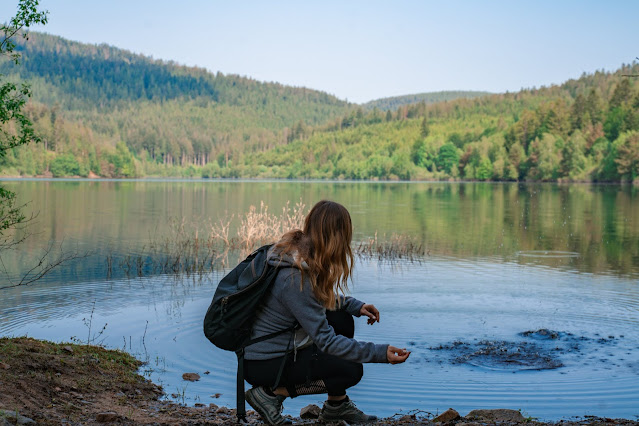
(363, 50)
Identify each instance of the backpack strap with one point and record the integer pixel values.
(239, 397)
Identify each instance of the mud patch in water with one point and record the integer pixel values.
(541, 349)
(503, 355)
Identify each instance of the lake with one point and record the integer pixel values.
(527, 296)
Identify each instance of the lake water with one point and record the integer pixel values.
(527, 298)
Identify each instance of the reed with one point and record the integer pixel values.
(397, 247)
(184, 248)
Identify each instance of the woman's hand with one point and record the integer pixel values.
(396, 355)
(371, 312)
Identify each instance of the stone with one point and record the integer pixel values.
(68, 349)
(496, 415)
(191, 377)
(15, 416)
(107, 417)
(311, 411)
(223, 410)
(447, 416)
(408, 418)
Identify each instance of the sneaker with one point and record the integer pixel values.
(269, 407)
(346, 411)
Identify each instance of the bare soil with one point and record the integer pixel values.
(55, 384)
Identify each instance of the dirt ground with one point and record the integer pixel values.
(46, 383)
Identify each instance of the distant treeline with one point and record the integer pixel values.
(395, 102)
(102, 111)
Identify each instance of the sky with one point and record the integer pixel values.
(362, 50)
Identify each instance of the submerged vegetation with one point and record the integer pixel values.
(187, 248)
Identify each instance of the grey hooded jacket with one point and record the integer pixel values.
(288, 302)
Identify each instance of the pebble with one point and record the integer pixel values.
(497, 415)
(447, 416)
(191, 377)
(107, 417)
(13, 415)
(311, 411)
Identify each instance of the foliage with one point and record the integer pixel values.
(392, 103)
(175, 121)
(15, 127)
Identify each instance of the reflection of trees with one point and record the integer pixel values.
(598, 222)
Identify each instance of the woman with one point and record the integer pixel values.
(320, 356)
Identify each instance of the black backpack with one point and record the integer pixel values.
(230, 317)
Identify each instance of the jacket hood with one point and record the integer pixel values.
(286, 260)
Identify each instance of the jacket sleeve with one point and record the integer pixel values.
(350, 305)
(311, 316)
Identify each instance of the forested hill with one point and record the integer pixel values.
(102, 111)
(84, 75)
(586, 129)
(160, 110)
(394, 102)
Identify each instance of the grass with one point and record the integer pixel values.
(187, 248)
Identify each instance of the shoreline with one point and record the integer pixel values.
(96, 178)
(65, 383)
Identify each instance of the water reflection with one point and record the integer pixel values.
(463, 220)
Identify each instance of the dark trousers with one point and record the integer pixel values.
(310, 371)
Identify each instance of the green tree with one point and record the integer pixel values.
(424, 129)
(15, 127)
(447, 157)
(66, 165)
(573, 159)
(628, 155)
(123, 163)
(485, 169)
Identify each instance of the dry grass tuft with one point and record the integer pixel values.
(184, 250)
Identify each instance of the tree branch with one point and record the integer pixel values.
(45, 265)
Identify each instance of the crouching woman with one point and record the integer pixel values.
(321, 356)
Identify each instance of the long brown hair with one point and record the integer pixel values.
(325, 245)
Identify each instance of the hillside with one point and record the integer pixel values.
(394, 102)
(87, 96)
(102, 111)
(583, 130)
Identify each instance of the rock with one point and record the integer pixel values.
(107, 417)
(213, 406)
(311, 411)
(408, 418)
(447, 416)
(497, 415)
(199, 405)
(13, 415)
(222, 410)
(68, 349)
(191, 377)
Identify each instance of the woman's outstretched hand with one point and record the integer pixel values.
(396, 355)
(371, 312)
